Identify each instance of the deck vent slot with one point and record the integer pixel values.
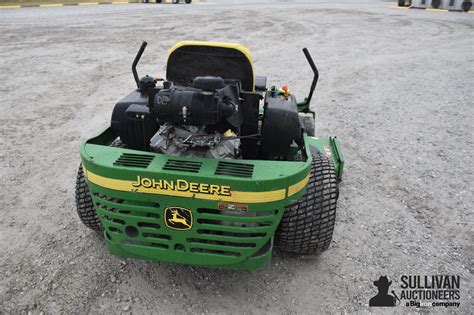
(183, 166)
(134, 160)
(234, 169)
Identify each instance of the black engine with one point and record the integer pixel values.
(208, 117)
(210, 101)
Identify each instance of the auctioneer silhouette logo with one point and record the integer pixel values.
(383, 298)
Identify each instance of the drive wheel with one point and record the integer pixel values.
(307, 226)
(436, 4)
(401, 3)
(84, 205)
(188, 1)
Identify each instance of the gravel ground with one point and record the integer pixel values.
(396, 88)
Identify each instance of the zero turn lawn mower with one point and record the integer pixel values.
(210, 167)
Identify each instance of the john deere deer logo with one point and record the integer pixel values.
(178, 218)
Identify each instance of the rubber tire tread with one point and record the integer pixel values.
(307, 226)
(84, 205)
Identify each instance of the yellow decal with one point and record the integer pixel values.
(178, 218)
(293, 189)
(182, 185)
(193, 190)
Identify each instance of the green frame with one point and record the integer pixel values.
(244, 242)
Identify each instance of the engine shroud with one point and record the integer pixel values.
(184, 105)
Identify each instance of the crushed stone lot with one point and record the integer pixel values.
(395, 87)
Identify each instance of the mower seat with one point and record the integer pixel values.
(190, 59)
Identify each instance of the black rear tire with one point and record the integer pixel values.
(84, 205)
(401, 3)
(188, 1)
(307, 226)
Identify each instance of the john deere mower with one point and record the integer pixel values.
(209, 167)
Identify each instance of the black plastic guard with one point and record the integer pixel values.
(281, 124)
